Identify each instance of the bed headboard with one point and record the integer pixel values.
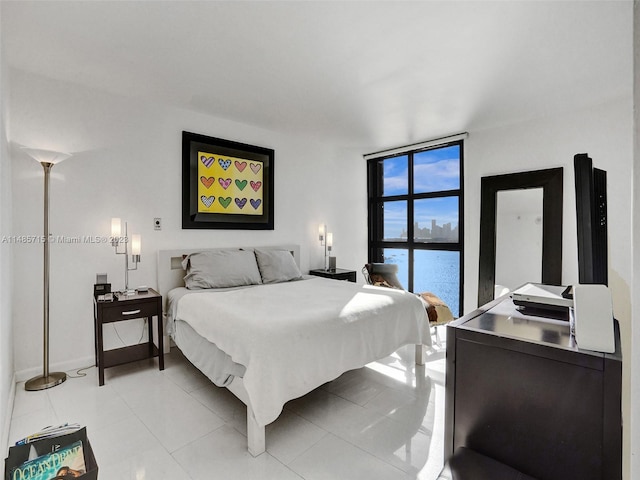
(171, 273)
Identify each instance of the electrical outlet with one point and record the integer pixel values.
(157, 223)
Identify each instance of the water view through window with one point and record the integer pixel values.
(435, 271)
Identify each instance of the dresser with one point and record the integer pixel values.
(520, 391)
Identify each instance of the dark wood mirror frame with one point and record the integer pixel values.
(550, 180)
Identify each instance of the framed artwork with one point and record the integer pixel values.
(226, 184)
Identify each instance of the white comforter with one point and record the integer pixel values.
(293, 337)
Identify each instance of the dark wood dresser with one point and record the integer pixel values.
(520, 391)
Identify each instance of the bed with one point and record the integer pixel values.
(270, 334)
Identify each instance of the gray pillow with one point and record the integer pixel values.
(221, 268)
(277, 266)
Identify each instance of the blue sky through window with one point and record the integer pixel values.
(395, 176)
(436, 170)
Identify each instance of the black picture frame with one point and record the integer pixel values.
(247, 204)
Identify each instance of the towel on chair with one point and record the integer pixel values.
(437, 310)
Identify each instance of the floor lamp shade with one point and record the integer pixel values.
(48, 379)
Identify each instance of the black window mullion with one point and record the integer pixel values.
(411, 222)
(377, 200)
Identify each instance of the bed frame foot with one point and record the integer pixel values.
(420, 354)
(255, 435)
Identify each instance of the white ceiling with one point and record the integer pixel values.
(366, 74)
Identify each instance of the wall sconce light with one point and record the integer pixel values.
(326, 240)
(322, 237)
(332, 260)
(116, 240)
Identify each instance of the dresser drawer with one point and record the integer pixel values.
(127, 310)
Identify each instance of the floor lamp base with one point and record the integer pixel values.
(41, 382)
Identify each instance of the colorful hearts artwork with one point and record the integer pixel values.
(229, 185)
(206, 161)
(226, 201)
(224, 182)
(207, 181)
(208, 200)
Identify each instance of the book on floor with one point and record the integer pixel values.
(63, 463)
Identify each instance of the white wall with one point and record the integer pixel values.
(6, 321)
(605, 133)
(635, 334)
(127, 163)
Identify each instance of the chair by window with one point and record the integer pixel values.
(385, 275)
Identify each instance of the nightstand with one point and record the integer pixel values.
(336, 274)
(140, 305)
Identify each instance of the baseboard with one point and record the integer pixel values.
(6, 426)
(70, 366)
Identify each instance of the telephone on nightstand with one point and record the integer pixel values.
(101, 288)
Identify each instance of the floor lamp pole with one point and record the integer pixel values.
(46, 380)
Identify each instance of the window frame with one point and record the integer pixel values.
(375, 221)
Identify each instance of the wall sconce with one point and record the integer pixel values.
(322, 237)
(116, 240)
(332, 260)
(326, 240)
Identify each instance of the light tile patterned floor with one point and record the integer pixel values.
(384, 421)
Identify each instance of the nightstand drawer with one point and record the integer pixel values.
(116, 312)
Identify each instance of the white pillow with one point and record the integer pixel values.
(221, 268)
(277, 266)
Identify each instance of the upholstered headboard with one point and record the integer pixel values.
(170, 271)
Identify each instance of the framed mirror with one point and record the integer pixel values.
(515, 229)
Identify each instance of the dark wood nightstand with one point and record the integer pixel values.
(336, 274)
(139, 305)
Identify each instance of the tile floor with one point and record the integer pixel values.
(383, 421)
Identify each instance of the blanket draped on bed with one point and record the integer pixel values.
(292, 337)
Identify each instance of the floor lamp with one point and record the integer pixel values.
(48, 379)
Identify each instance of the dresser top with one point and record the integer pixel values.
(502, 318)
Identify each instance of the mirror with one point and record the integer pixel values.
(518, 229)
(508, 252)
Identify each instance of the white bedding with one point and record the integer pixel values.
(292, 337)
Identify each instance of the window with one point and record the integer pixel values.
(415, 218)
